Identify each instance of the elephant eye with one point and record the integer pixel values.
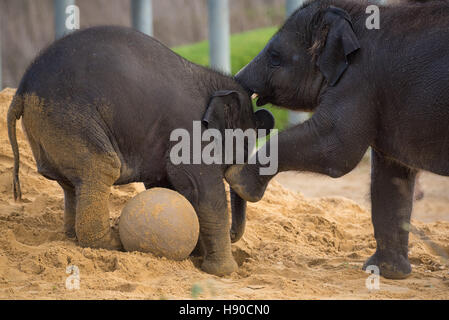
(275, 59)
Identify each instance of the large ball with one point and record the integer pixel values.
(160, 221)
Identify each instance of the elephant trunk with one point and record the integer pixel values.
(251, 77)
(238, 208)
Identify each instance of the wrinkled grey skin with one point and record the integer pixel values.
(98, 108)
(385, 88)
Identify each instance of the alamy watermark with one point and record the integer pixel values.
(373, 20)
(72, 21)
(373, 280)
(236, 146)
(72, 282)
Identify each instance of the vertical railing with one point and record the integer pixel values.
(60, 16)
(142, 16)
(291, 6)
(219, 30)
(294, 117)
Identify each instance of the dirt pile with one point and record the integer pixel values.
(294, 247)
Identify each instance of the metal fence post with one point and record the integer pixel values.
(59, 7)
(291, 6)
(142, 16)
(294, 117)
(219, 30)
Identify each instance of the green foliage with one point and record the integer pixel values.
(244, 47)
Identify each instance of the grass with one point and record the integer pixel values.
(244, 47)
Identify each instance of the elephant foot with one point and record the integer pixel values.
(391, 265)
(111, 241)
(69, 226)
(245, 183)
(220, 267)
(70, 233)
(235, 236)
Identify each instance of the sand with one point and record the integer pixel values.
(295, 247)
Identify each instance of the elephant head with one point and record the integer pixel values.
(310, 51)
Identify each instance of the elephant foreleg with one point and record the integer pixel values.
(208, 197)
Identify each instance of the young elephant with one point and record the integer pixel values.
(387, 88)
(98, 108)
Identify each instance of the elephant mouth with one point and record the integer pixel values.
(261, 101)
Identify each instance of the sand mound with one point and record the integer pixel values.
(293, 248)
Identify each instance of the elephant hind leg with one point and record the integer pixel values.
(74, 147)
(91, 177)
(86, 215)
(392, 187)
(69, 208)
(92, 216)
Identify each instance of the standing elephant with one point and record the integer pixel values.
(98, 108)
(387, 88)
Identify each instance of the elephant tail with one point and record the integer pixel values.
(238, 208)
(14, 113)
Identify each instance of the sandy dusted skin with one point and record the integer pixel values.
(294, 248)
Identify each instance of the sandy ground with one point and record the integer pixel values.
(308, 245)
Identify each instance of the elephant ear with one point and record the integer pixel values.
(223, 110)
(341, 41)
(264, 119)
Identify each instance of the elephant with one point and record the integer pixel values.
(385, 88)
(98, 107)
